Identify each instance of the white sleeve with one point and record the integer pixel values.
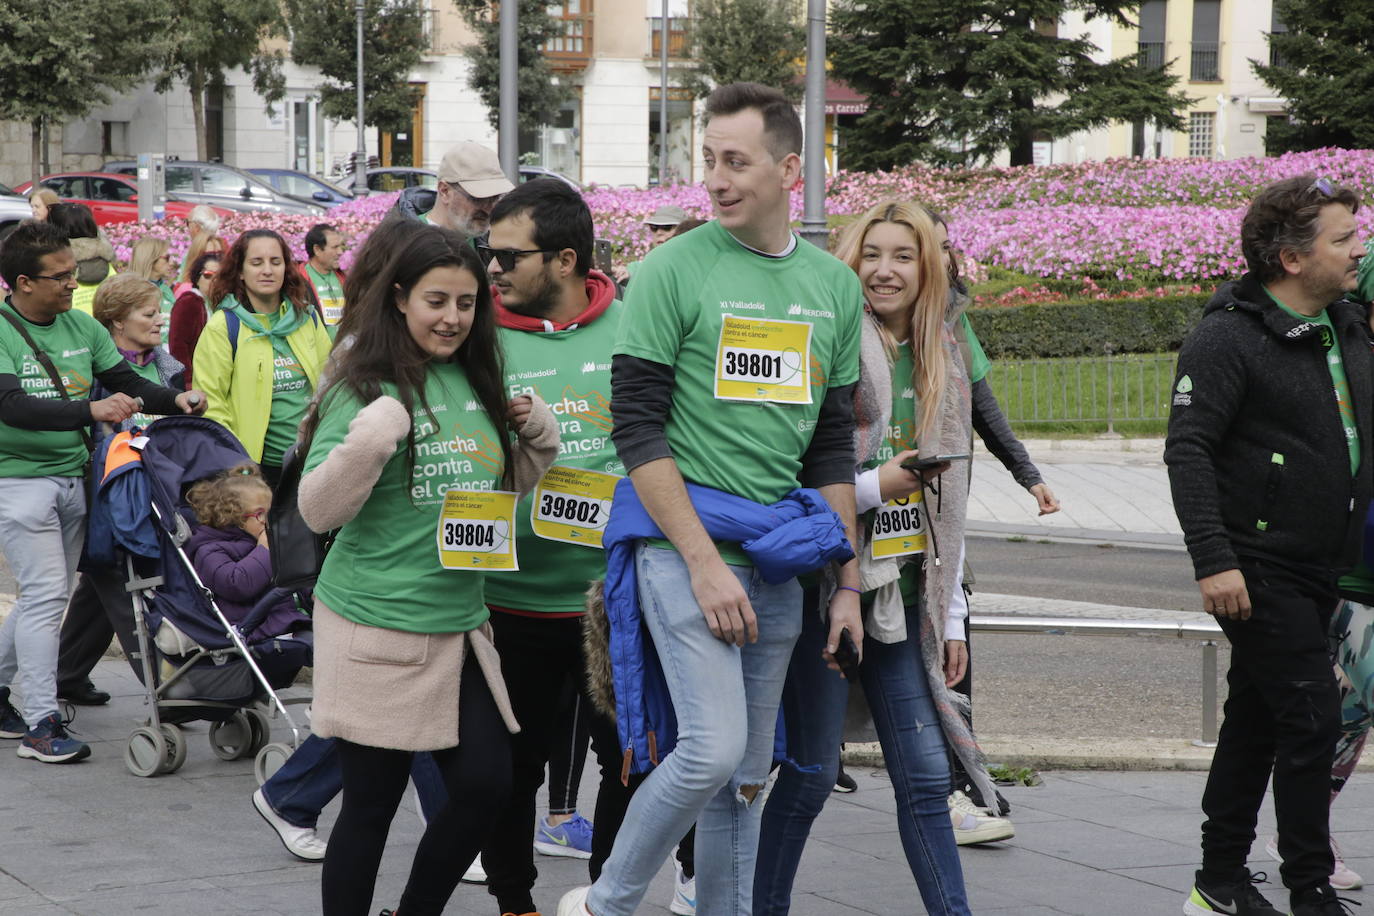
(867, 494)
(958, 604)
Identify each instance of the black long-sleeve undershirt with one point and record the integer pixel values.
(24, 411)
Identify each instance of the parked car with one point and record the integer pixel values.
(394, 178)
(304, 185)
(531, 172)
(112, 198)
(14, 207)
(221, 185)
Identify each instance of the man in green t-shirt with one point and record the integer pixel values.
(43, 455)
(323, 249)
(734, 369)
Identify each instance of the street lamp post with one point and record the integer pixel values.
(508, 137)
(360, 156)
(813, 168)
(663, 97)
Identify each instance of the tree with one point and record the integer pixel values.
(539, 94)
(323, 35)
(1323, 66)
(958, 81)
(213, 36)
(758, 41)
(61, 58)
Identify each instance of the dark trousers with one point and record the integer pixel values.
(541, 659)
(1283, 715)
(477, 776)
(568, 753)
(100, 608)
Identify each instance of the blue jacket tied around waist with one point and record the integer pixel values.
(796, 535)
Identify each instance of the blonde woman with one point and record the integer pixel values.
(202, 243)
(151, 259)
(40, 200)
(912, 399)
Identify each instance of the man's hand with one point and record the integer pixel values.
(115, 409)
(844, 615)
(620, 272)
(193, 402)
(1225, 595)
(724, 603)
(1045, 499)
(956, 661)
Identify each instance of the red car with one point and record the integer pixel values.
(112, 198)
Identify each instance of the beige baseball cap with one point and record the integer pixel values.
(667, 215)
(475, 169)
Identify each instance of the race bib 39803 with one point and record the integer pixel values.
(898, 529)
(476, 530)
(763, 359)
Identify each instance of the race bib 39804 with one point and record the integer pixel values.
(476, 530)
(763, 359)
(572, 505)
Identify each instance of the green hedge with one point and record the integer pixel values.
(1087, 327)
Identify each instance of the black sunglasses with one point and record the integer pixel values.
(507, 257)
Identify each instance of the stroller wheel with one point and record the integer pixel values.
(146, 753)
(269, 760)
(262, 730)
(231, 738)
(176, 748)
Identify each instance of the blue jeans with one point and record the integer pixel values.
(726, 700)
(312, 776)
(814, 701)
(42, 526)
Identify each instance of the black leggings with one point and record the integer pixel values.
(477, 774)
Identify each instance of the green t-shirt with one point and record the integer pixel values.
(1336, 366)
(1364, 288)
(330, 291)
(676, 315)
(80, 348)
(979, 364)
(901, 436)
(571, 370)
(290, 398)
(383, 570)
(148, 371)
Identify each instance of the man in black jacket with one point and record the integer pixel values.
(1268, 455)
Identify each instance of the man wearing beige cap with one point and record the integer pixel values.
(662, 223)
(470, 184)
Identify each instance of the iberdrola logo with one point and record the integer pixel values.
(1183, 396)
(1185, 385)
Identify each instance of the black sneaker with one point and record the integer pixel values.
(12, 725)
(1320, 901)
(844, 782)
(1235, 899)
(84, 694)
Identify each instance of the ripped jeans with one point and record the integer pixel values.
(726, 700)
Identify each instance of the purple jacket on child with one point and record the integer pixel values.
(238, 571)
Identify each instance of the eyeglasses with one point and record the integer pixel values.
(507, 257)
(1323, 187)
(258, 514)
(63, 278)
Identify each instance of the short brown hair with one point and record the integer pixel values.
(1284, 217)
(119, 295)
(782, 128)
(219, 501)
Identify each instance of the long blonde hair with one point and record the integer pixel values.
(926, 314)
(146, 252)
(197, 248)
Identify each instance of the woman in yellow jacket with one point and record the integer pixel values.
(259, 358)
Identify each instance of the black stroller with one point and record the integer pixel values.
(194, 663)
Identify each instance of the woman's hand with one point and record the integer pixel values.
(1045, 499)
(956, 661)
(896, 482)
(518, 412)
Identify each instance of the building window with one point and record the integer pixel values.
(1206, 41)
(1201, 133)
(114, 138)
(1152, 19)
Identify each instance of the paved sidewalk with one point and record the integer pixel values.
(91, 839)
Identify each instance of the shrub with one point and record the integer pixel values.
(1088, 327)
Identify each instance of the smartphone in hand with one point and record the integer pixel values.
(925, 463)
(847, 656)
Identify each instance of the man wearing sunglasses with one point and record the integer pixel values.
(44, 451)
(1269, 454)
(470, 184)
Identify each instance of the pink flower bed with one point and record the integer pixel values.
(1149, 220)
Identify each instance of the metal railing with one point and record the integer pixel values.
(1151, 54)
(1205, 60)
(1206, 631)
(1089, 389)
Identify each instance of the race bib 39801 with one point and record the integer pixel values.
(763, 359)
(476, 530)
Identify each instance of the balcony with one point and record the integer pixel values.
(572, 49)
(1204, 65)
(679, 37)
(1151, 55)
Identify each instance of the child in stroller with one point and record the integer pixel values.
(229, 551)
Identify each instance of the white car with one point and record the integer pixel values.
(13, 208)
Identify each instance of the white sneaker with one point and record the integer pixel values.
(684, 901)
(973, 824)
(574, 903)
(1342, 878)
(475, 874)
(301, 842)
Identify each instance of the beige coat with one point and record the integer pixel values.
(390, 688)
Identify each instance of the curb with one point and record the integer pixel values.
(1147, 539)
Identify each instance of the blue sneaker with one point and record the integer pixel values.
(12, 724)
(48, 741)
(571, 839)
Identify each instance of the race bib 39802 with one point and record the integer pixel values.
(476, 530)
(763, 359)
(572, 505)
